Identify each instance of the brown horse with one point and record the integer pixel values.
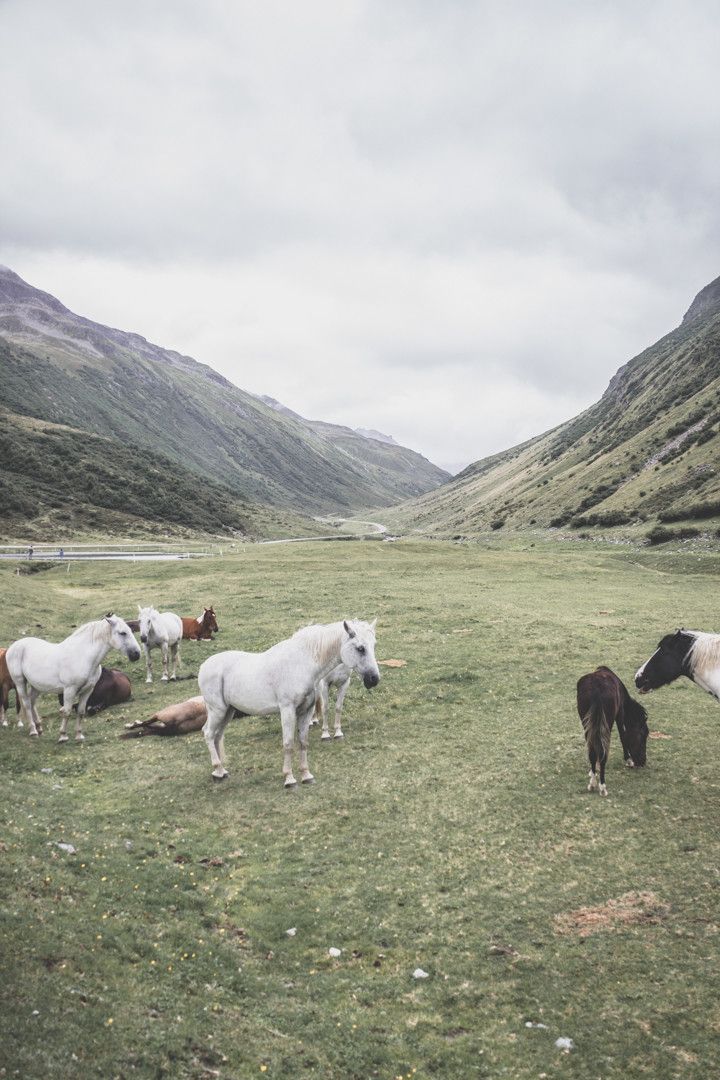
(202, 628)
(602, 700)
(180, 719)
(6, 685)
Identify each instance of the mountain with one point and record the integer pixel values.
(178, 414)
(646, 454)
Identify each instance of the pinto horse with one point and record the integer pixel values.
(691, 653)
(282, 680)
(202, 628)
(602, 700)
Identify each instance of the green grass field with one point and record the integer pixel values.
(448, 831)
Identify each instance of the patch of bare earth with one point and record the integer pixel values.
(630, 909)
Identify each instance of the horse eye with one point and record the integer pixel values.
(361, 649)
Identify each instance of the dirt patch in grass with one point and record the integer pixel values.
(659, 735)
(630, 909)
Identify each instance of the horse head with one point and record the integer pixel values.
(667, 663)
(636, 731)
(121, 637)
(209, 621)
(146, 617)
(357, 651)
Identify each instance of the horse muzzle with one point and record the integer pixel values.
(370, 680)
(134, 655)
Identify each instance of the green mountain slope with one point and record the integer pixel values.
(58, 481)
(646, 453)
(59, 367)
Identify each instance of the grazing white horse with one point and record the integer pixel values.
(339, 678)
(282, 680)
(71, 667)
(160, 630)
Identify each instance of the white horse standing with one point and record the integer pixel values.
(160, 630)
(339, 678)
(71, 667)
(282, 680)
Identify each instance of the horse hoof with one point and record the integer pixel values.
(148, 680)
(34, 734)
(163, 678)
(603, 789)
(309, 779)
(290, 782)
(80, 738)
(326, 736)
(63, 738)
(338, 735)
(219, 778)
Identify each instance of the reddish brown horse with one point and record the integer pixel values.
(6, 685)
(602, 701)
(202, 628)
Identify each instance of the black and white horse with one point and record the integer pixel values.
(692, 653)
(603, 700)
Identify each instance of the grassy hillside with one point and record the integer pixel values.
(646, 454)
(59, 367)
(58, 482)
(450, 831)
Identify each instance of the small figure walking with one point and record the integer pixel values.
(61, 554)
(30, 552)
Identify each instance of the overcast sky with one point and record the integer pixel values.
(451, 221)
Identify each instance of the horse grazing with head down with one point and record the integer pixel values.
(691, 653)
(282, 680)
(602, 700)
(202, 628)
(160, 630)
(72, 667)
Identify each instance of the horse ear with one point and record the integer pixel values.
(110, 615)
(139, 608)
(350, 631)
(373, 624)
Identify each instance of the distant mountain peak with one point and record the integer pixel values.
(370, 433)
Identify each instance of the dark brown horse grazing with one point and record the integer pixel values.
(180, 719)
(6, 685)
(112, 688)
(202, 628)
(602, 700)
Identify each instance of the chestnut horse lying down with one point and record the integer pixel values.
(180, 719)
(112, 688)
(202, 628)
(6, 685)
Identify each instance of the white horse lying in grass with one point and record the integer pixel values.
(71, 668)
(339, 678)
(282, 680)
(160, 630)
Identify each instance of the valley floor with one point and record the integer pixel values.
(451, 831)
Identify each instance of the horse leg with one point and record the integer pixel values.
(602, 789)
(338, 708)
(323, 696)
(175, 657)
(213, 731)
(164, 649)
(148, 662)
(69, 695)
(35, 715)
(306, 776)
(4, 702)
(22, 691)
(288, 719)
(81, 712)
(592, 756)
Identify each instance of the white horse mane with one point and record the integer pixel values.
(97, 629)
(322, 641)
(704, 652)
